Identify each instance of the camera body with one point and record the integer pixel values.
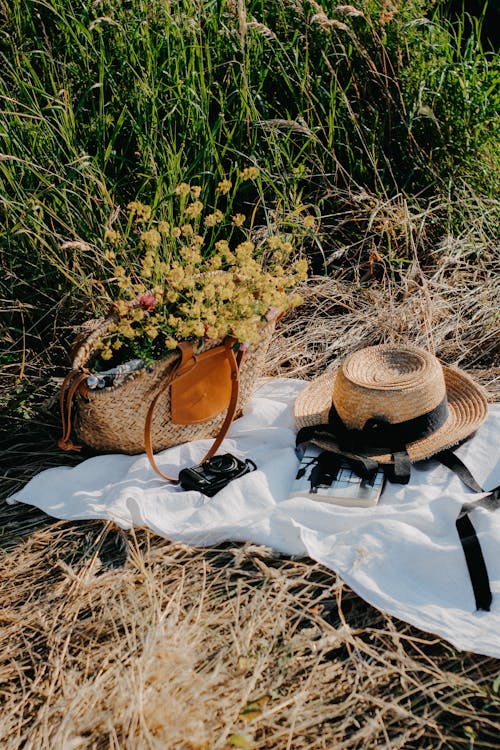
(214, 473)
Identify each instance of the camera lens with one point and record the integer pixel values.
(221, 464)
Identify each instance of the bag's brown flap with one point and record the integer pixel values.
(201, 389)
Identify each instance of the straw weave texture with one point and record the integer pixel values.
(394, 384)
(397, 387)
(113, 419)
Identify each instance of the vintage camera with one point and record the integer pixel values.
(214, 473)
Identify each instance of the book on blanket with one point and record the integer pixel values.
(322, 476)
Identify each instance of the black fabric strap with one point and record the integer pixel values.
(325, 469)
(476, 566)
(474, 559)
(378, 434)
(452, 461)
(400, 471)
(362, 465)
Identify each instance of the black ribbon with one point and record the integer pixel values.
(473, 554)
(378, 436)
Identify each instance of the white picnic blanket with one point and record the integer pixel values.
(403, 556)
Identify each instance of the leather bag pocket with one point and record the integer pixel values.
(201, 387)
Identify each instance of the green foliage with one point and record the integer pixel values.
(104, 102)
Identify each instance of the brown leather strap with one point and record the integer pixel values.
(147, 426)
(231, 410)
(70, 385)
(188, 358)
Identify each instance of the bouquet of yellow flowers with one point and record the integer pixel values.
(203, 274)
(189, 291)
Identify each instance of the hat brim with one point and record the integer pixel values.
(467, 406)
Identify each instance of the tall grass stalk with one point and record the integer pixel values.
(344, 107)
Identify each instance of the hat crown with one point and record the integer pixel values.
(389, 383)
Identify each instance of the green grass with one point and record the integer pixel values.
(105, 102)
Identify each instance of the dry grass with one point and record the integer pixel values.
(129, 641)
(460, 325)
(441, 295)
(125, 640)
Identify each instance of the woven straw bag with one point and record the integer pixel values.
(113, 419)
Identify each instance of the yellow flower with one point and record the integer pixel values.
(123, 282)
(126, 330)
(309, 222)
(176, 232)
(274, 242)
(122, 308)
(111, 236)
(301, 268)
(194, 209)
(195, 191)
(196, 329)
(147, 265)
(239, 220)
(182, 189)
(249, 173)
(176, 275)
(197, 241)
(224, 186)
(151, 332)
(187, 230)
(163, 227)
(137, 314)
(212, 219)
(139, 210)
(212, 332)
(210, 291)
(151, 238)
(191, 255)
(245, 248)
(222, 246)
(106, 353)
(215, 262)
(157, 291)
(287, 247)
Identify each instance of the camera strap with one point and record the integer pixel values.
(234, 364)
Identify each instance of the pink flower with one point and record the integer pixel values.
(147, 301)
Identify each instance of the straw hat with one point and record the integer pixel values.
(386, 398)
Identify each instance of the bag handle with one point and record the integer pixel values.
(70, 385)
(75, 378)
(231, 410)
